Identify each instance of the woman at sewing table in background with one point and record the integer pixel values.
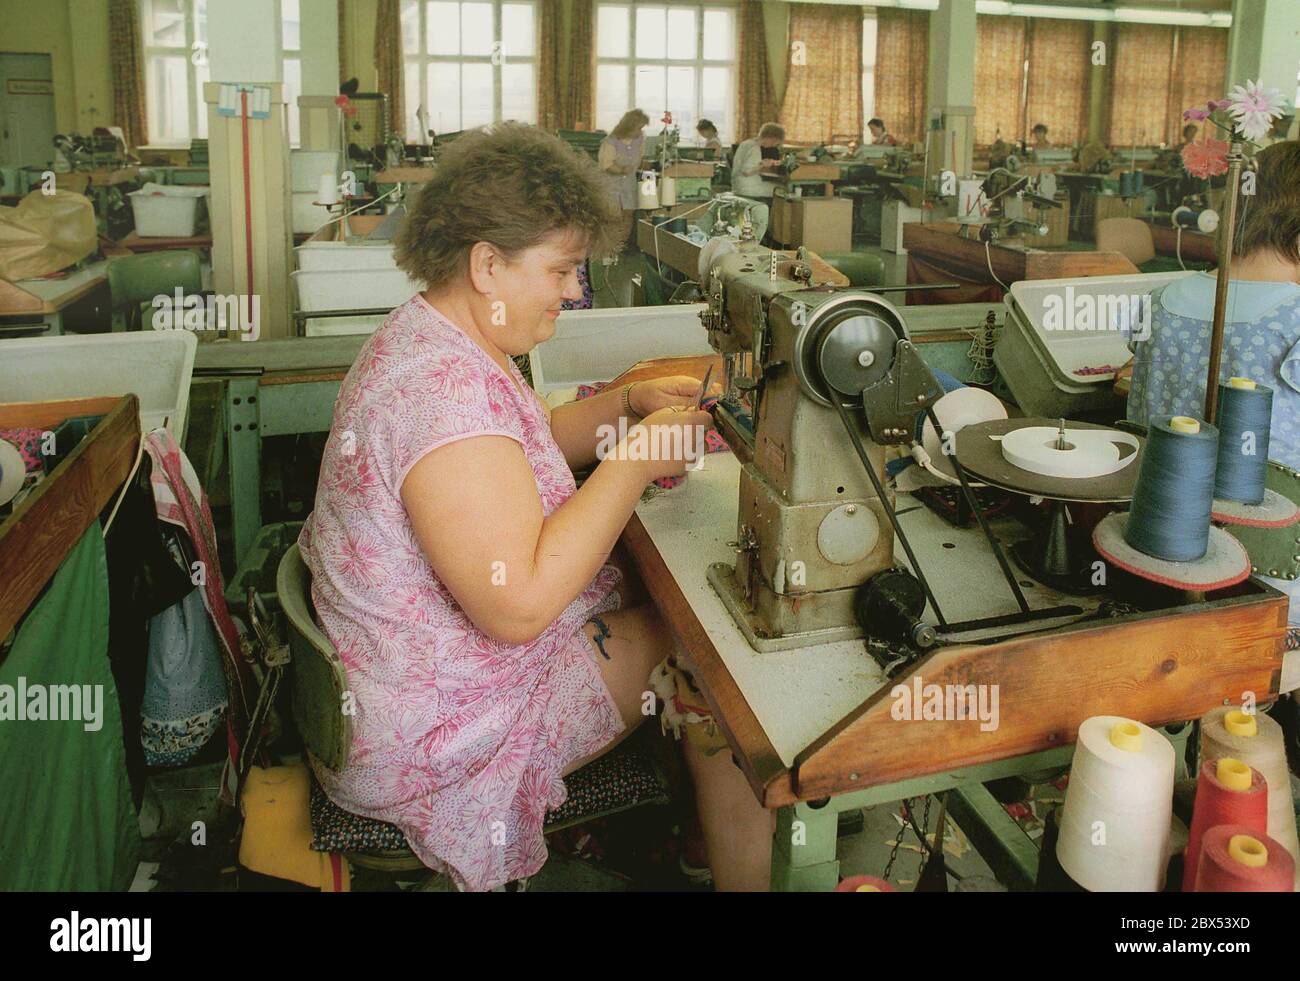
(462, 578)
(1261, 335)
(619, 157)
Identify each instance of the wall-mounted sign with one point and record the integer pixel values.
(30, 86)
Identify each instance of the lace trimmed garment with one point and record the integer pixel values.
(458, 739)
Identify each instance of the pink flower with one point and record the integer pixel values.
(1207, 158)
(1254, 108)
(1199, 114)
(1216, 104)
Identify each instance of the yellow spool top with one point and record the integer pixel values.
(866, 887)
(1126, 736)
(1246, 383)
(1239, 723)
(1247, 851)
(1233, 774)
(1185, 424)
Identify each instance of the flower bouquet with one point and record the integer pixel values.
(1246, 114)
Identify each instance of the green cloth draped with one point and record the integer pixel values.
(67, 821)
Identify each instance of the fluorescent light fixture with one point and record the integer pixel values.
(898, 4)
(1128, 15)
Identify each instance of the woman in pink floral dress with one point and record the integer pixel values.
(454, 565)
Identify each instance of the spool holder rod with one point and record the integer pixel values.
(1227, 234)
(888, 508)
(969, 494)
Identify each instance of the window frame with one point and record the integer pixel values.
(424, 59)
(698, 63)
(196, 113)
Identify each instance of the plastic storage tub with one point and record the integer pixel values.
(597, 345)
(1041, 360)
(320, 256)
(353, 289)
(155, 366)
(167, 211)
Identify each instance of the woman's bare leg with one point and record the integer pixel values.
(737, 829)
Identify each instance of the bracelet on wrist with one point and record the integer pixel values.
(627, 402)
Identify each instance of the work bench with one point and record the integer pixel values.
(812, 728)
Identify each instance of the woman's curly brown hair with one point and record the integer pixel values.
(1271, 217)
(510, 185)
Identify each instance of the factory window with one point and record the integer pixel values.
(679, 58)
(176, 66)
(868, 65)
(291, 63)
(468, 63)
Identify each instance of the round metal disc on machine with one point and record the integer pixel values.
(1275, 511)
(981, 455)
(1225, 562)
(850, 343)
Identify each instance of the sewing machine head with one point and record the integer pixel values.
(818, 380)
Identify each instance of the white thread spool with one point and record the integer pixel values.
(1115, 824)
(13, 471)
(1257, 740)
(667, 192)
(327, 189)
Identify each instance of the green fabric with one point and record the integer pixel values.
(67, 821)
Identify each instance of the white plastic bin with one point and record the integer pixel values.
(323, 256)
(1041, 364)
(354, 289)
(166, 210)
(597, 345)
(155, 366)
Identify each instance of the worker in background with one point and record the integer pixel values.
(755, 157)
(878, 135)
(1040, 141)
(619, 157)
(1261, 339)
(1189, 136)
(708, 134)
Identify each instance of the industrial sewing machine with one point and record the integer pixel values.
(818, 381)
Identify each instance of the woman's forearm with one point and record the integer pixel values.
(577, 426)
(575, 541)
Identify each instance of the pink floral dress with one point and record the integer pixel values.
(458, 739)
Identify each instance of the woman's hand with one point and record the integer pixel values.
(665, 442)
(650, 396)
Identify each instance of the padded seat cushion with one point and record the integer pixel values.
(623, 778)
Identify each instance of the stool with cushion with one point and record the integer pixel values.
(1129, 237)
(623, 778)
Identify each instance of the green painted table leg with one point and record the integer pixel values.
(245, 439)
(803, 849)
(1000, 841)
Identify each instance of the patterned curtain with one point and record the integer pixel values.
(823, 91)
(1141, 72)
(126, 61)
(390, 63)
(755, 99)
(1001, 44)
(1199, 76)
(1059, 67)
(551, 37)
(902, 66)
(578, 104)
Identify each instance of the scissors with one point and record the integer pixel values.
(704, 387)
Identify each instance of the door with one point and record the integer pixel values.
(26, 111)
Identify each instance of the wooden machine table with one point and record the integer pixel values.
(812, 728)
(936, 253)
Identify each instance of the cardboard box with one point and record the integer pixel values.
(821, 224)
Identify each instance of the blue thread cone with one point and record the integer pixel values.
(1170, 515)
